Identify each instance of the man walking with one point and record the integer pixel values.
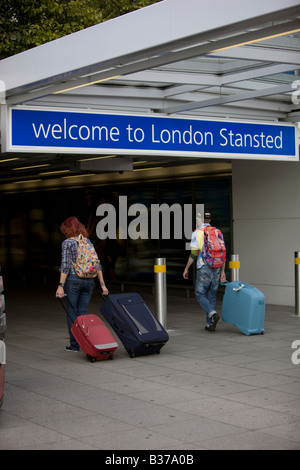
(210, 268)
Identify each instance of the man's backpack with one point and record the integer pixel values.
(214, 249)
(87, 262)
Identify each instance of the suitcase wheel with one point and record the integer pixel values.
(91, 358)
(131, 354)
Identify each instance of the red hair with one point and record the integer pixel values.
(72, 228)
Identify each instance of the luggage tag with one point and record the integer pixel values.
(237, 289)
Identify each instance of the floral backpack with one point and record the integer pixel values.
(214, 249)
(87, 262)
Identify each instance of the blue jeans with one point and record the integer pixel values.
(206, 287)
(79, 292)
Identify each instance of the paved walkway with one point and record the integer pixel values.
(219, 390)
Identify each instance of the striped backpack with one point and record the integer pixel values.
(87, 262)
(214, 249)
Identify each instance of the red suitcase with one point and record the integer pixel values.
(95, 340)
(93, 337)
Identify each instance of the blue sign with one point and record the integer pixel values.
(90, 132)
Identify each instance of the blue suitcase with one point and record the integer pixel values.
(244, 306)
(133, 322)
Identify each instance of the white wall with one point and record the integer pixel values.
(266, 228)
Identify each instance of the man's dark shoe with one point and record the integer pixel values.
(214, 320)
(209, 328)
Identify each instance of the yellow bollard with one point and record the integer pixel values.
(234, 266)
(160, 272)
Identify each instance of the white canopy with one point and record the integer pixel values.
(236, 59)
(227, 58)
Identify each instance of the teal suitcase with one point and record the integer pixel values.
(244, 306)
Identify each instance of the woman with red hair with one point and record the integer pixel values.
(78, 289)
